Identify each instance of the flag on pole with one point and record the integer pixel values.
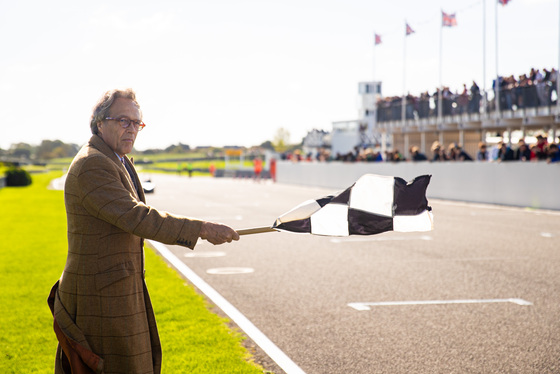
(372, 205)
(377, 39)
(448, 20)
(504, 2)
(409, 30)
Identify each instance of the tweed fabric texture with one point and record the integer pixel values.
(102, 302)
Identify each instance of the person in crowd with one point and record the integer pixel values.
(460, 154)
(482, 154)
(534, 152)
(397, 156)
(416, 155)
(103, 317)
(474, 103)
(436, 102)
(411, 106)
(508, 92)
(424, 105)
(523, 152)
(547, 80)
(553, 153)
(531, 97)
(463, 100)
(447, 101)
(190, 169)
(452, 152)
(539, 152)
(438, 152)
(396, 108)
(496, 91)
(257, 168)
(541, 88)
(494, 152)
(553, 84)
(505, 153)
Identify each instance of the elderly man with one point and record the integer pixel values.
(103, 317)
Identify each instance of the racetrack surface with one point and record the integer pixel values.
(449, 290)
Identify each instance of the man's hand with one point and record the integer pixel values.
(216, 233)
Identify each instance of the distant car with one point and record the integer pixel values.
(148, 186)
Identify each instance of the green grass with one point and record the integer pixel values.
(162, 161)
(32, 256)
(205, 165)
(159, 162)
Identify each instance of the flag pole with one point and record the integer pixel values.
(497, 84)
(373, 122)
(484, 97)
(375, 107)
(373, 66)
(558, 73)
(403, 105)
(256, 230)
(439, 113)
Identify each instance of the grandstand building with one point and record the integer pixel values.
(386, 123)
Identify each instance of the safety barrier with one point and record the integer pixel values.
(521, 184)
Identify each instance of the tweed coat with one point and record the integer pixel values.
(101, 305)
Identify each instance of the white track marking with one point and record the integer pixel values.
(367, 306)
(463, 259)
(388, 238)
(497, 207)
(244, 324)
(204, 254)
(229, 271)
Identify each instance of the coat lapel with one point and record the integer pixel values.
(136, 181)
(98, 143)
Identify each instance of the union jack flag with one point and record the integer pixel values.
(448, 20)
(377, 39)
(409, 30)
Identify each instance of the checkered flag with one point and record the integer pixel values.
(372, 205)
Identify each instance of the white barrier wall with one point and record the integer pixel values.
(522, 184)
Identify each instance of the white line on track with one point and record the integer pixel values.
(498, 207)
(208, 254)
(230, 270)
(244, 324)
(388, 238)
(451, 259)
(367, 306)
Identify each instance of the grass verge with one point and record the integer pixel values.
(32, 255)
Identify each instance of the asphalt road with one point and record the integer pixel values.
(300, 287)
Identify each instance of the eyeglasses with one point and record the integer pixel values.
(126, 122)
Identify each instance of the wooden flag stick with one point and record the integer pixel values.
(255, 230)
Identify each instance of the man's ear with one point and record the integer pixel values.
(99, 127)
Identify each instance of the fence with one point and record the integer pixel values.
(521, 184)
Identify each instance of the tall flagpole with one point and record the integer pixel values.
(439, 113)
(373, 66)
(558, 73)
(484, 97)
(374, 119)
(497, 84)
(403, 106)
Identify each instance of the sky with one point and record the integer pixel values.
(222, 72)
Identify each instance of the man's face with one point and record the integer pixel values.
(120, 140)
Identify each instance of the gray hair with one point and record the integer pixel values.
(101, 109)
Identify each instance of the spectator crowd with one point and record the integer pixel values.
(540, 150)
(538, 88)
